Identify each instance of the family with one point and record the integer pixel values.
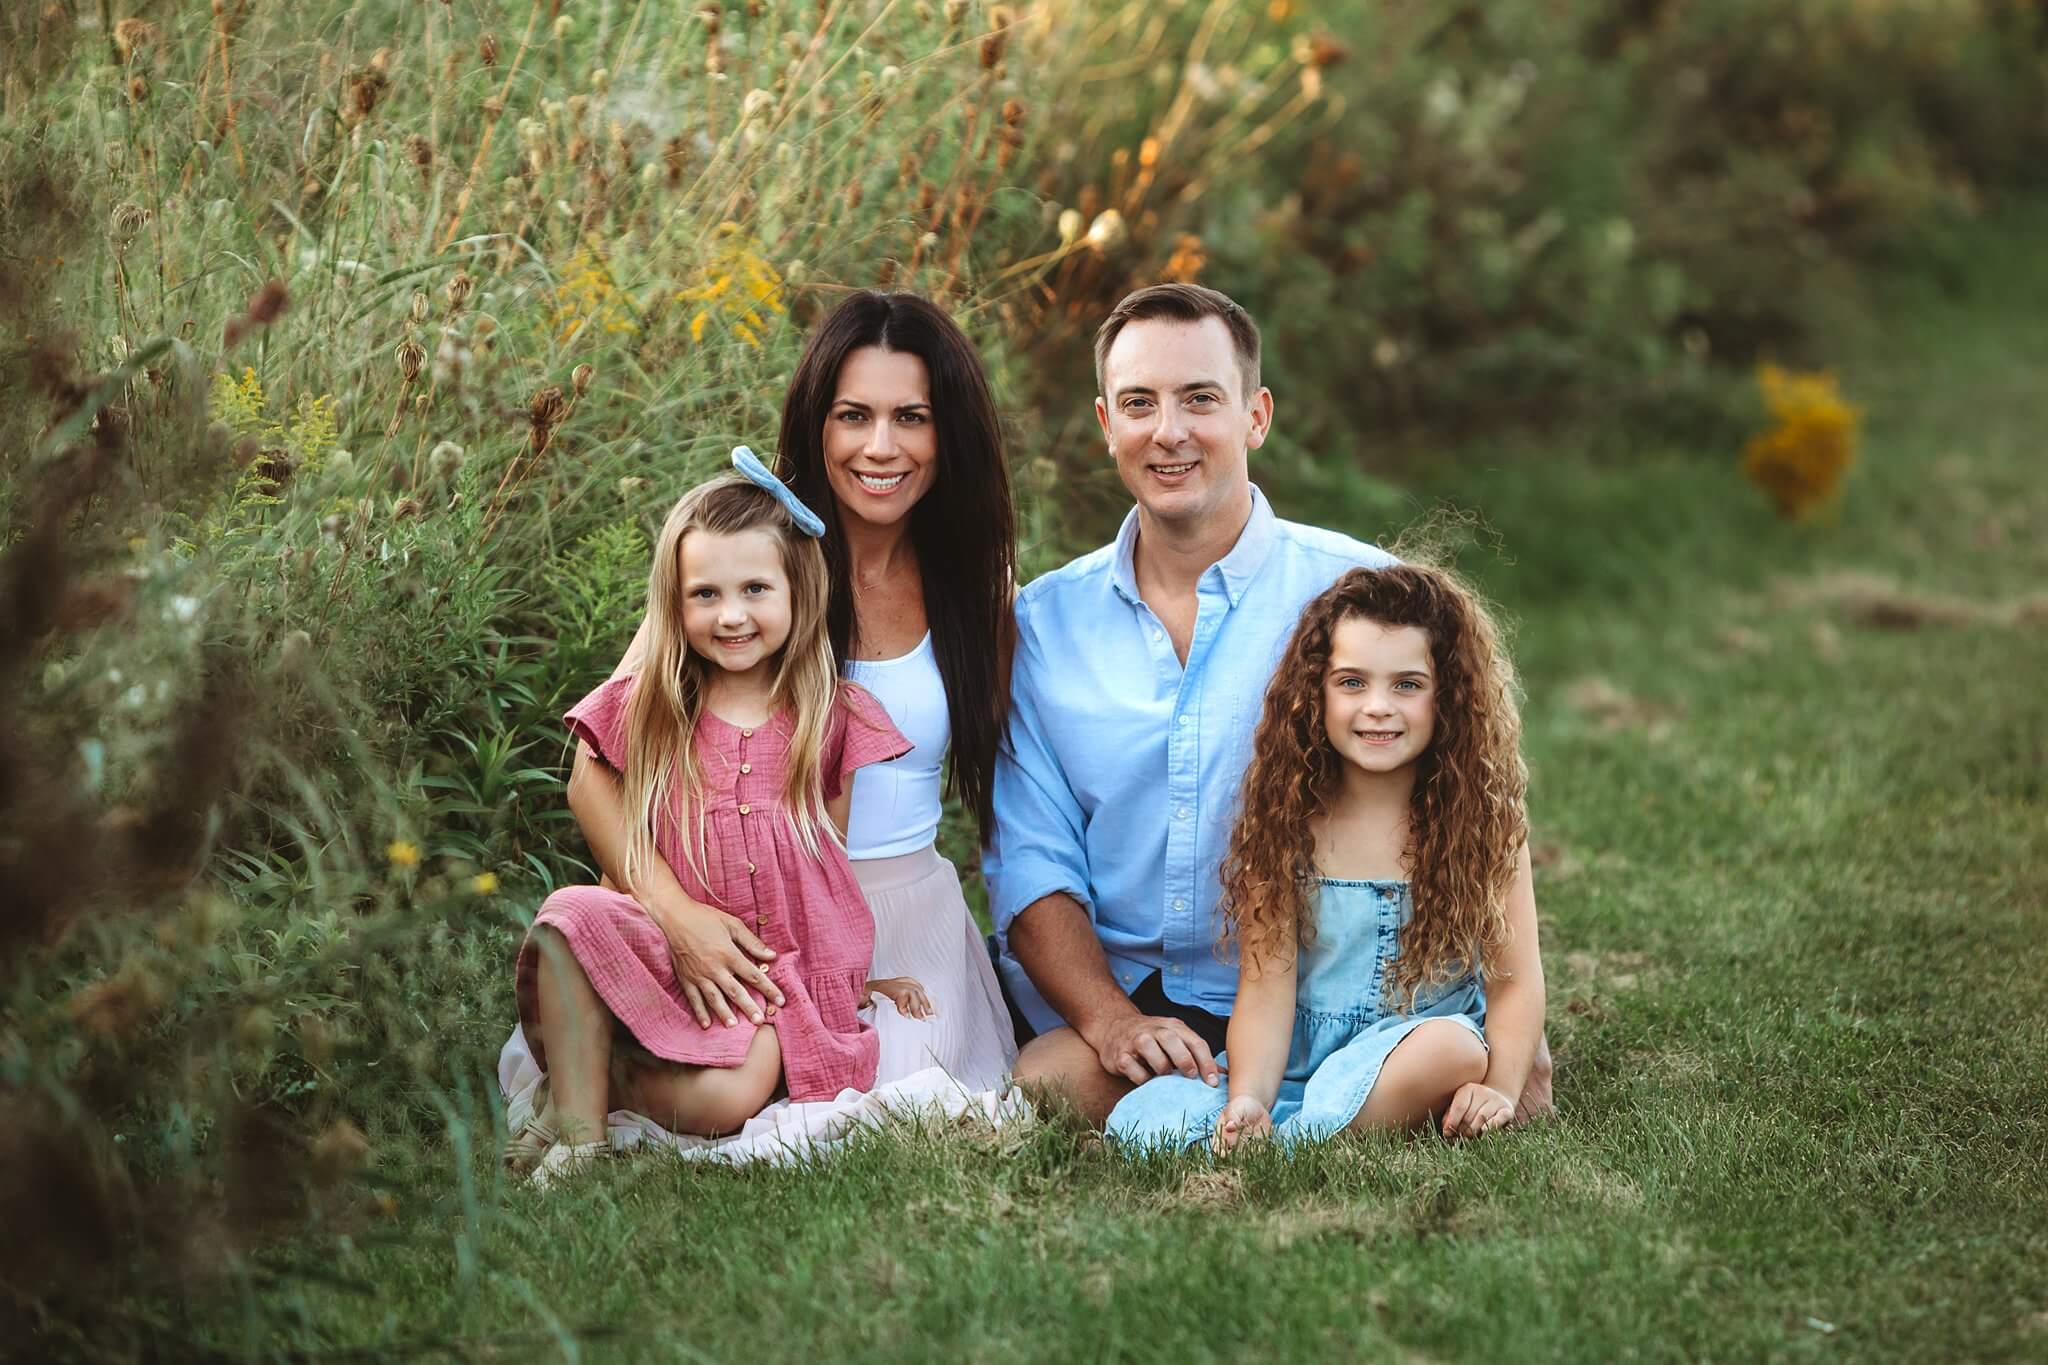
(1250, 793)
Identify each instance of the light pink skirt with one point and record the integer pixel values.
(923, 929)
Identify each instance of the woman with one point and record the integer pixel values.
(889, 432)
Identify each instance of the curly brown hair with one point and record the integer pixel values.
(1466, 825)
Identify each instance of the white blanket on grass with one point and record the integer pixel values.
(907, 1086)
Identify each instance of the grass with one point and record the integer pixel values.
(1791, 876)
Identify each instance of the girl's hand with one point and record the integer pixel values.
(1244, 1117)
(715, 960)
(904, 993)
(1477, 1108)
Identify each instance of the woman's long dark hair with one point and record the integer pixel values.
(963, 529)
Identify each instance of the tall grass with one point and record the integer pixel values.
(354, 345)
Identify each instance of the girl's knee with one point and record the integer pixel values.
(1452, 1053)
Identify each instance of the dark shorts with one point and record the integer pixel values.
(1149, 997)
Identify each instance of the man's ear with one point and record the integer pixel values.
(1262, 418)
(1102, 419)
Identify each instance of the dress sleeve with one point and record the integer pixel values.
(599, 720)
(861, 733)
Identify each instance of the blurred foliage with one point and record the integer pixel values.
(357, 346)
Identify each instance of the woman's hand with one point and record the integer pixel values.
(1244, 1117)
(904, 993)
(1477, 1108)
(716, 961)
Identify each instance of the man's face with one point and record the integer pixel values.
(1178, 421)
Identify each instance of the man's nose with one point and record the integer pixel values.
(1168, 429)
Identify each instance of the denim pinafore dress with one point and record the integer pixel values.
(1343, 1028)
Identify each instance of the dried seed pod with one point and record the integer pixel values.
(405, 507)
(138, 89)
(129, 219)
(487, 49)
(130, 37)
(422, 306)
(411, 356)
(459, 288)
(580, 379)
(1013, 112)
(547, 408)
(268, 304)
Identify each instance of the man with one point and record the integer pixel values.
(1139, 673)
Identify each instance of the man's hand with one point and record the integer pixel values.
(1477, 1108)
(1244, 1117)
(715, 959)
(1138, 1047)
(904, 993)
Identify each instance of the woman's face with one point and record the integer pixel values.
(881, 449)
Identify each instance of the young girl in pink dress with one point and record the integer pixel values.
(736, 743)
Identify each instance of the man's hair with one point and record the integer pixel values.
(1183, 303)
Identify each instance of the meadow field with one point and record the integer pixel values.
(352, 350)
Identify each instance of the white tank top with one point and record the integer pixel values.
(895, 807)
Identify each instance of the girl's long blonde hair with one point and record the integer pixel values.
(1465, 823)
(669, 698)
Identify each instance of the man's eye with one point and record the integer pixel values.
(1202, 398)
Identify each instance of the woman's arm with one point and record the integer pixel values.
(714, 953)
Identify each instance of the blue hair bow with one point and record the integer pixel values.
(758, 474)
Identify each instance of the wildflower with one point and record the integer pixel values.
(411, 356)
(403, 853)
(1187, 260)
(1801, 462)
(129, 219)
(117, 1006)
(1108, 232)
(130, 37)
(483, 883)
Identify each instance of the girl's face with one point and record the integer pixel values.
(736, 607)
(881, 449)
(1379, 695)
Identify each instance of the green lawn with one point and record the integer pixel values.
(1793, 834)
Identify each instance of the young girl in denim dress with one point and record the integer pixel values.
(735, 743)
(1376, 887)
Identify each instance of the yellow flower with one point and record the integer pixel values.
(740, 288)
(484, 883)
(403, 853)
(1802, 461)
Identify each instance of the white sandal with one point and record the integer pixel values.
(525, 1148)
(564, 1161)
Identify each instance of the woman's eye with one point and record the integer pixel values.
(913, 419)
(853, 416)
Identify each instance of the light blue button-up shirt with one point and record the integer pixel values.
(1119, 773)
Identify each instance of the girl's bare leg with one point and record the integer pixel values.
(576, 1031)
(1421, 1075)
(706, 1101)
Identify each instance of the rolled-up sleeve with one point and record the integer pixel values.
(1040, 836)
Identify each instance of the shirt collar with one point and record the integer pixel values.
(1236, 569)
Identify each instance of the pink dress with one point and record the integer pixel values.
(807, 908)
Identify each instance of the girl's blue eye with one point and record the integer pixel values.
(1408, 682)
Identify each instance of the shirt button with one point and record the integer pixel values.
(1157, 636)
(1175, 969)
(746, 734)
(746, 810)
(746, 767)
(750, 869)
(1180, 720)
(1181, 814)
(1178, 902)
